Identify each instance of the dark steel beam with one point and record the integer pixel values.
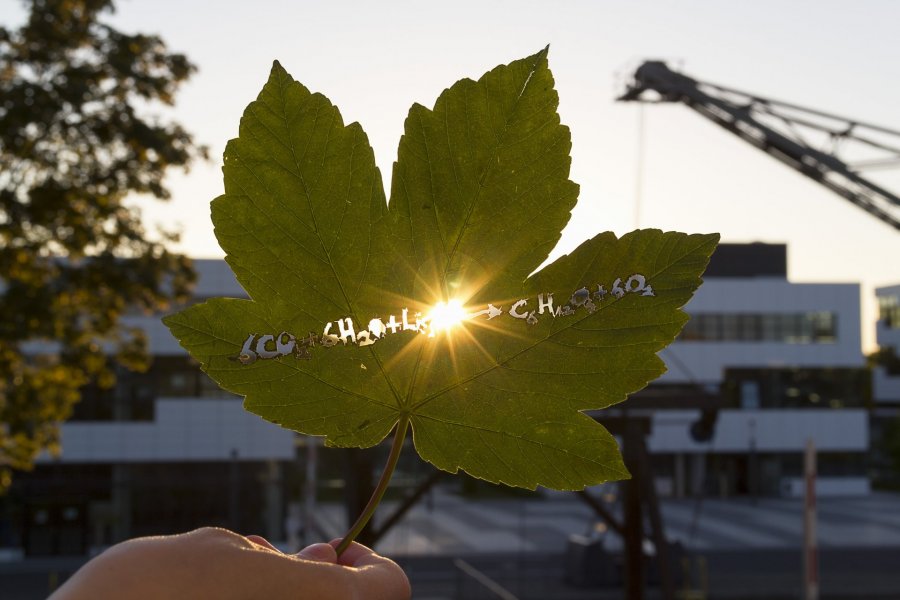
(737, 116)
(408, 502)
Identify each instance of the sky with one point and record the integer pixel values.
(374, 59)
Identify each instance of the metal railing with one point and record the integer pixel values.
(485, 583)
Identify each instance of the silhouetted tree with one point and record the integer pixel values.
(75, 140)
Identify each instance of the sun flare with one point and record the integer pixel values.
(445, 315)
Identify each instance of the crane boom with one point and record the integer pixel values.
(779, 129)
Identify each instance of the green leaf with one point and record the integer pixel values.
(480, 193)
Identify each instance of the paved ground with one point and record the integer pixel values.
(452, 525)
(750, 551)
(744, 549)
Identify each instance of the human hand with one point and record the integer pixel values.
(220, 564)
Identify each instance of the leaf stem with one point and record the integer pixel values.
(369, 510)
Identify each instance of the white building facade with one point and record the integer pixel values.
(784, 362)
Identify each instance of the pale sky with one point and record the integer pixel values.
(374, 59)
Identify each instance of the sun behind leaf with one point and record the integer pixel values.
(433, 294)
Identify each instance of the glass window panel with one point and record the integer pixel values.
(792, 328)
(749, 395)
(711, 327)
(771, 327)
(824, 327)
(750, 327)
(730, 327)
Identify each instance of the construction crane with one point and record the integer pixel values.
(786, 131)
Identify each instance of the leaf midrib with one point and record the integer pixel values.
(471, 208)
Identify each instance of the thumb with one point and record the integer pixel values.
(373, 576)
(319, 553)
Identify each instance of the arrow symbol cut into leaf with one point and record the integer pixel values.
(491, 311)
(479, 195)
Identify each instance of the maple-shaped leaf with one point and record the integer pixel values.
(340, 338)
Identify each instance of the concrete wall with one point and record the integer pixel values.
(826, 487)
(885, 388)
(772, 430)
(184, 430)
(705, 362)
(884, 335)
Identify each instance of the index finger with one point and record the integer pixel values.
(375, 576)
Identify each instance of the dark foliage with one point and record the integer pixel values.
(74, 142)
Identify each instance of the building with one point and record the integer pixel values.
(168, 450)
(162, 452)
(784, 362)
(886, 378)
(886, 388)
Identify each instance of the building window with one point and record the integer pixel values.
(134, 395)
(824, 326)
(792, 328)
(752, 388)
(889, 311)
(131, 399)
(180, 376)
(749, 394)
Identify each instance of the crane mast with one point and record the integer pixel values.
(783, 131)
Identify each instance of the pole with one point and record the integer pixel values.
(651, 500)
(639, 174)
(752, 465)
(810, 553)
(311, 488)
(234, 491)
(634, 520)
